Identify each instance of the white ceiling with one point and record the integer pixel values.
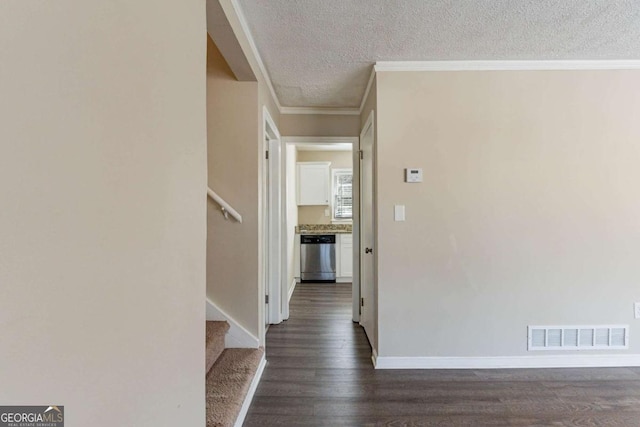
(319, 53)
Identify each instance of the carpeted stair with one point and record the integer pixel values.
(229, 375)
(215, 341)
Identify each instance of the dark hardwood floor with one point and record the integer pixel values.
(319, 373)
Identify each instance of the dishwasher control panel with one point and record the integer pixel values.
(317, 238)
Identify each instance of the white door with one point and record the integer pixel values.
(367, 309)
(274, 225)
(265, 221)
(272, 222)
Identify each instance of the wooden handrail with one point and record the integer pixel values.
(226, 207)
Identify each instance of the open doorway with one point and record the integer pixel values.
(329, 207)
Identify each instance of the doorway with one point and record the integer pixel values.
(272, 222)
(343, 155)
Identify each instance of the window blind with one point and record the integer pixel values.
(343, 203)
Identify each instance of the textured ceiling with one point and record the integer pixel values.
(319, 52)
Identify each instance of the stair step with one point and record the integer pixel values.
(215, 341)
(228, 383)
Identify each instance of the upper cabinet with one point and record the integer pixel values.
(314, 183)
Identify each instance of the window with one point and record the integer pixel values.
(342, 189)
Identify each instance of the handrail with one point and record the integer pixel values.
(226, 207)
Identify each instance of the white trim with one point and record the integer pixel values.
(355, 233)
(226, 207)
(559, 361)
(254, 50)
(367, 124)
(272, 125)
(252, 390)
(292, 288)
(374, 358)
(320, 139)
(368, 89)
(505, 65)
(276, 285)
(320, 111)
(237, 336)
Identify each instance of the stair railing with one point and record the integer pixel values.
(224, 206)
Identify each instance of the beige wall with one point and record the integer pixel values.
(253, 122)
(232, 127)
(339, 160)
(528, 213)
(319, 125)
(103, 177)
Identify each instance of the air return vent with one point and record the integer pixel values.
(600, 337)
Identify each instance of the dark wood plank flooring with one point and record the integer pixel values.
(319, 373)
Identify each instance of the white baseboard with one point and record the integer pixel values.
(252, 390)
(237, 336)
(292, 288)
(559, 361)
(344, 279)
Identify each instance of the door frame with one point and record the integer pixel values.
(354, 141)
(369, 125)
(264, 234)
(271, 271)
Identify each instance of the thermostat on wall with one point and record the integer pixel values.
(413, 175)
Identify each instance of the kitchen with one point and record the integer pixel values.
(320, 199)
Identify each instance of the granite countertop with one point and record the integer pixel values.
(324, 229)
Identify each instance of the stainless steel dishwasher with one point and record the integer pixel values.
(318, 258)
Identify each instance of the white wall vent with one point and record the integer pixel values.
(599, 337)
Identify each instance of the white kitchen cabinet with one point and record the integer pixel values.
(314, 183)
(296, 258)
(346, 256)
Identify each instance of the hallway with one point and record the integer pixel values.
(316, 361)
(319, 373)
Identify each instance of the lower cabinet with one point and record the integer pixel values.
(344, 257)
(296, 258)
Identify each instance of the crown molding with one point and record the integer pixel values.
(320, 110)
(368, 89)
(382, 66)
(254, 50)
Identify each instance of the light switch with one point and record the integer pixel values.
(398, 212)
